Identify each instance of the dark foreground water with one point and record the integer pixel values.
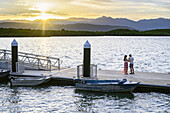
(66, 99)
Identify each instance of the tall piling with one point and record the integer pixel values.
(86, 59)
(14, 47)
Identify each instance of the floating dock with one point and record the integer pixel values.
(44, 66)
(149, 82)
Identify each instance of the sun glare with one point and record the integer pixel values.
(44, 8)
(45, 16)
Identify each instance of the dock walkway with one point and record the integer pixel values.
(143, 77)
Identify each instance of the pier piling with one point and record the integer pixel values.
(14, 47)
(86, 59)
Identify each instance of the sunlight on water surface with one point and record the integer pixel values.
(151, 53)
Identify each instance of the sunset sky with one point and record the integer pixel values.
(62, 9)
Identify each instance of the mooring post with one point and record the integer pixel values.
(14, 46)
(4, 54)
(86, 60)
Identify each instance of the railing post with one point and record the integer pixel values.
(78, 72)
(96, 70)
(91, 71)
(4, 54)
(82, 69)
(59, 64)
(50, 66)
(38, 63)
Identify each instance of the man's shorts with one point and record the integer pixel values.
(131, 65)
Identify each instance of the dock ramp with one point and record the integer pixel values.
(29, 61)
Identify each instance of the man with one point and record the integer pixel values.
(131, 59)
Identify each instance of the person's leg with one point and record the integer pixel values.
(125, 71)
(133, 70)
(131, 66)
(130, 70)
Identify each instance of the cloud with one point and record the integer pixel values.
(11, 8)
(92, 3)
(119, 3)
(133, 9)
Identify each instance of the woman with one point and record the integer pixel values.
(125, 65)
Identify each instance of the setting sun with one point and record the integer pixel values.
(43, 16)
(43, 8)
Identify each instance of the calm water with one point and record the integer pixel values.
(66, 99)
(151, 55)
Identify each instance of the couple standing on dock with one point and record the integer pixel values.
(130, 59)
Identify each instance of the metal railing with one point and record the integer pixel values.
(93, 71)
(32, 60)
(20, 67)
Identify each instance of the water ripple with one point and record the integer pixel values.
(67, 99)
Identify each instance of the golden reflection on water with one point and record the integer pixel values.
(151, 55)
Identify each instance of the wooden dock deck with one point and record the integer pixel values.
(148, 81)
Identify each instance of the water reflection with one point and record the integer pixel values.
(91, 101)
(11, 101)
(14, 96)
(101, 95)
(66, 99)
(151, 54)
(17, 99)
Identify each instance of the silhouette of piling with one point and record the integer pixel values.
(86, 59)
(14, 47)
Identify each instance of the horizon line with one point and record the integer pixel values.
(82, 18)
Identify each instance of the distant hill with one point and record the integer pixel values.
(73, 27)
(147, 24)
(10, 32)
(99, 24)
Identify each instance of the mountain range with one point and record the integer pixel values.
(83, 24)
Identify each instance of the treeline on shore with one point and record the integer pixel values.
(10, 32)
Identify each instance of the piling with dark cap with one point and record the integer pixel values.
(86, 59)
(14, 47)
